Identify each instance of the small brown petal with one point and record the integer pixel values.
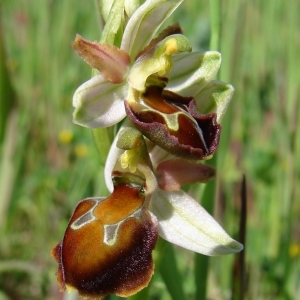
(107, 246)
(109, 60)
(173, 173)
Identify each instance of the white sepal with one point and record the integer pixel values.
(191, 72)
(182, 221)
(99, 103)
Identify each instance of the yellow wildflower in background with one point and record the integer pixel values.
(65, 136)
(81, 150)
(294, 250)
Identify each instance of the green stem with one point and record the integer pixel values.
(8, 132)
(7, 93)
(239, 271)
(215, 13)
(19, 265)
(7, 167)
(102, 141)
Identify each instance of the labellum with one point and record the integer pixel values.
(174, 123)
(108, 243)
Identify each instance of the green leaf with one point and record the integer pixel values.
(141, 295)
(170, 273)
(114, 22)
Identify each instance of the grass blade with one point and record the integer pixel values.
(170, 273)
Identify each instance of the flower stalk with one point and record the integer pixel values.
(168, 107)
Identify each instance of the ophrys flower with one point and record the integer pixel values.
(170, 97)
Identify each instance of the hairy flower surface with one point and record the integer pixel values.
(108, 243)
(166, 91)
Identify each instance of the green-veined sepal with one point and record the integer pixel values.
(99, 103)
(183, 222)
(191, 72)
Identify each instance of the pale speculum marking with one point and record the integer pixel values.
(110, 230)
(86, 218)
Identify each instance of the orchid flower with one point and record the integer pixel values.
(167, 92)
(108, 243)
(181, 219)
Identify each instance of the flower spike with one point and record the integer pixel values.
(174, 108)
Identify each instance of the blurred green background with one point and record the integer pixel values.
(48, 164)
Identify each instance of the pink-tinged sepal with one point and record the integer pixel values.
(107, 246)
(174, 123)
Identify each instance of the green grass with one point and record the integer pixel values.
(42, 178)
